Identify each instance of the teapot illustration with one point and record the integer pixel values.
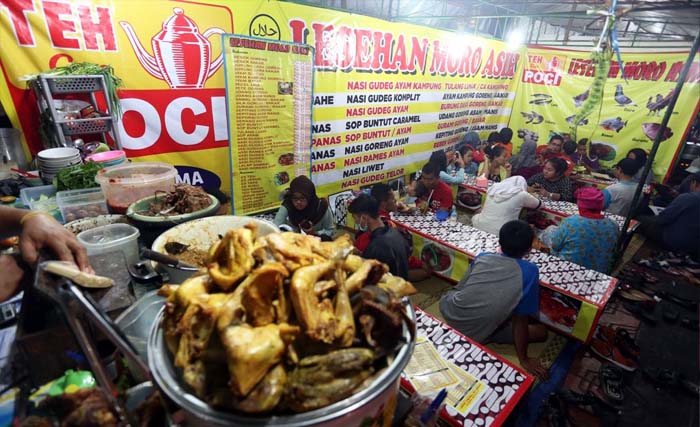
(181, 54)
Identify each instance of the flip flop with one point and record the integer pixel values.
(689, 323)
(634, 295)
(639, 312)
(611, 378)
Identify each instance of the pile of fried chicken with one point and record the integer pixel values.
(283, 323)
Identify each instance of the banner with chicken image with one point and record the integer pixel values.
(554, 85)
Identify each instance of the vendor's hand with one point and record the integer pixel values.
(43, 232)
(534, 367)
(10, 278)
(508, 167)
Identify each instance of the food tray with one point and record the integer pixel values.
(77, 204)
(74, 84)
(82, 126)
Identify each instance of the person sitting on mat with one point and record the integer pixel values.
(587, 239)
(618, 197)
(504, 201)
(677, 228)
(304, 211)
(386, 243)
(438, 195)
(494, 299)
(551, 182)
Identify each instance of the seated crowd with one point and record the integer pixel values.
(498, 295)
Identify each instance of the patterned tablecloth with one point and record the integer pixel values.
(555, 273)
(506, 383)
(554, 207)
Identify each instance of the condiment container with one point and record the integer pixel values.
(112, 237)
(77, 204)
(127, 183)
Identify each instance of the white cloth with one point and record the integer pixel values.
(507, 188)
(498, 210)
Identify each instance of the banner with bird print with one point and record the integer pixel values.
(556, 86)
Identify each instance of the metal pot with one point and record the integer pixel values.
(202, 234)
(354, 411)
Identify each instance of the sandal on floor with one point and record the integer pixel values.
(610, 378)
(612, 354)
(670, 315)
(671, 379)
(638, 311)
(689, 323)
(634, 295)
(624, 341)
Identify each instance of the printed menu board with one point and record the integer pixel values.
(268, 93)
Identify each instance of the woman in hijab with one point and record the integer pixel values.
(525, 163)
(587, 239)
(504, 201)
(303, 211)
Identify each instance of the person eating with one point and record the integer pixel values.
(551, 183)
(304, 211)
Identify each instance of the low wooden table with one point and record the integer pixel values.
(505, 383)
(555, 210)
(572, 297)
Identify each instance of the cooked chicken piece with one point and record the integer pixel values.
(321, 380)
(196, 328)
(345, 328)
(231, 258)
(368, 274)
(292, 249)
(233, 311)
(330, 249)
(353, 263)
(266, 394)
(176, 305)
(252, 351)
(396, 285)
(316, 314)
(259, 295)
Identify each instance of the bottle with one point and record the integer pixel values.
(453, 214)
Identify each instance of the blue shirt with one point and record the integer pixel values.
(584, 241)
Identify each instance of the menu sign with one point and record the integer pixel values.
(269, 94)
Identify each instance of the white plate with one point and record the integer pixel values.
(58, 153)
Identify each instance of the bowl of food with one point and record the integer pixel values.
(169, 208)
(190, 242)
(283, 330)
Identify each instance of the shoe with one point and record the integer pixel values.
(611, 378)
(670, 379)
(636, 309)
(689, 323)
(624, 341)
(612, 354)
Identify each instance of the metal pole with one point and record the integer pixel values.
(657, 141)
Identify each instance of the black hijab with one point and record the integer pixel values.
(315, 207)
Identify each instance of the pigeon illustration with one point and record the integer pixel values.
(621, 98)
(571, 118)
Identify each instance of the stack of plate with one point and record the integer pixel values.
(51, 161)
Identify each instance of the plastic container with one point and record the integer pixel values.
(127, 183)
(30, 195)
(77, 204)
(108, 158)
(110, 238)
(136, 321)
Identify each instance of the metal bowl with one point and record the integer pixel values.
(353, 411)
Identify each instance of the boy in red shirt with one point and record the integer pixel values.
(438, 194)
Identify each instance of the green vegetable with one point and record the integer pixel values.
(112, 82)
(78, 177)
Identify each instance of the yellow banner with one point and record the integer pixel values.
(269, 102)
(554, 85)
